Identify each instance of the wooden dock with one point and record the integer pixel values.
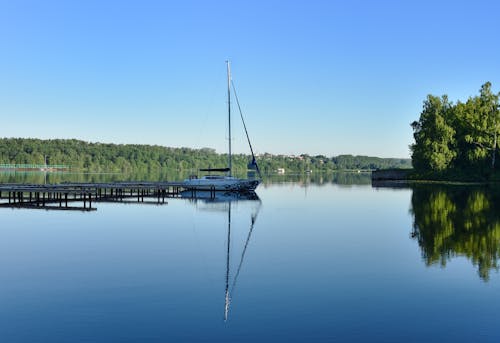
(64, 196)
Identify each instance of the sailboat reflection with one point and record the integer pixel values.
(223, 201)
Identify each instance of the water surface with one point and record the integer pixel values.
(330, 260)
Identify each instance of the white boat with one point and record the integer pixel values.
(226, 182)
(221, 183)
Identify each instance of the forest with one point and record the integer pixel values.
(128, 158)
(458, 141)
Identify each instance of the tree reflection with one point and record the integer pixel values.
(320, 179)
(458, 221)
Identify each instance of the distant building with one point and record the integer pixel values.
(280, 170)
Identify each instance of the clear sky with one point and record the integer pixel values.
(317, 77)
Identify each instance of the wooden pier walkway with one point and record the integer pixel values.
(61, 196)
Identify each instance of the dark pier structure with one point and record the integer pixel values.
(81, 196)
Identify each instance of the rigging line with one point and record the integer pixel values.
(204, 127)
(254, 219)
(246, 131)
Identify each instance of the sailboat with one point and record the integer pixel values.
(226, 182)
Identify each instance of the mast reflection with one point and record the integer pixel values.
(225, 200)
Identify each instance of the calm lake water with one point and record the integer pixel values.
(318, 260)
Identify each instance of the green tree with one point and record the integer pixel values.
(482, 121)
(434, 147)
(97, 157)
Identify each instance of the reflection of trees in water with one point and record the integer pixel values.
(341, 178)
(38, 177)
(458, 221)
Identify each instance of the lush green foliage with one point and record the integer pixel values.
(98, 157)
(458, 139)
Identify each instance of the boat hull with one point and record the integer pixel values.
(233, 185)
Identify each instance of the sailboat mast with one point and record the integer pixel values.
(229, 114)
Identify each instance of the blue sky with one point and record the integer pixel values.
(317, 77)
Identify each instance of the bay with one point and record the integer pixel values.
(319, 258)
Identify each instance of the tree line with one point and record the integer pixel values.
(458, 140)
(128, 158)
